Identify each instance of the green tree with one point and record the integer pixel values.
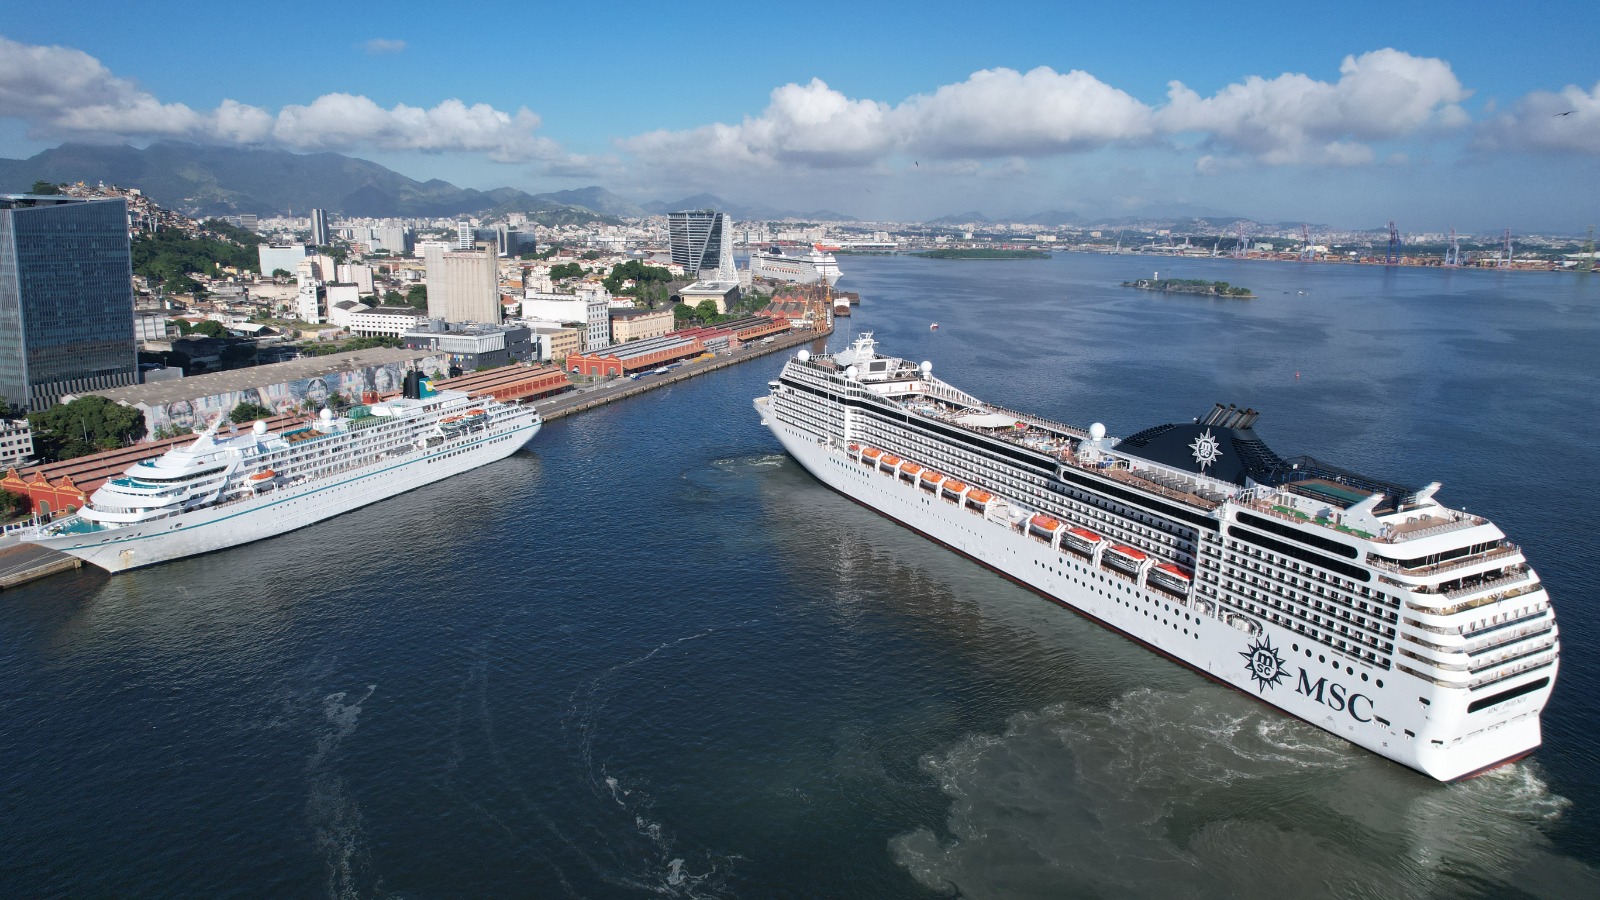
(241, 236)
(392, 298)
(567, 270)
(417, 296)
(87, 424)
(209, 328)
(248, 412)
(282, 273)
(45, 189)
(591, 255)
(706, 310)
(338, 252)
(647, 279)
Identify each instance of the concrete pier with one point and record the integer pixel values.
(623, 388)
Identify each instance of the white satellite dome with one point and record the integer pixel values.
(326, 415)
(851, 373)
(259, 427)
(1097, 431)
(803, 356)
(927, 368)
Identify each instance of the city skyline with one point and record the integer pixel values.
(1351, 119)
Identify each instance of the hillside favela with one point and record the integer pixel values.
(934, 457)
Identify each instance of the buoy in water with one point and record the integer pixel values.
(934, 327)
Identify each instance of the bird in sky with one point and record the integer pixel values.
(1567, 113)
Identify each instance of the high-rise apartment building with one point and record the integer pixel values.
(597, 307)
(702, 242)
(463, 285)
(319, 228)
(281, 257)
(66, 298)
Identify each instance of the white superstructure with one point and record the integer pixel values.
(224, 491)
(794, 264)
(1365, 608)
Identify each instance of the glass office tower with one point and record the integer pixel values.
(702, 242)
(66, 299)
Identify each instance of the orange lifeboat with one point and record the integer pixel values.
(872, 453)
(890, 461)
(931, 477)
(910, 469)
(1085, 534)
(1044, 523)
(953, 487)
(1129, 552)
(979, 497)
(264, 475)
(1175, 570)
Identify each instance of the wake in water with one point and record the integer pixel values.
(332, 814)
(1196, 794)
(665, 870)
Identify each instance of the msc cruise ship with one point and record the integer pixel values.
(1363, 607)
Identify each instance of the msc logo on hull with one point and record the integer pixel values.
(1266, 668)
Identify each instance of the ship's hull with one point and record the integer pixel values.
(289, 507)
(1381, 715)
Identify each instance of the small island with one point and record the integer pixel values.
(1191, 286)
(982, 253)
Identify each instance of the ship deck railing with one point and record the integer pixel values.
(1514, 578)
(1411, 531)
(1290, 514)
(1506, 549)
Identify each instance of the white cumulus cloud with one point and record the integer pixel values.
(1293, 118)
(1003, 112)
(810, 124)
(995, 113)
(65, 93)
(1544, 121)
(381, 46)
(62, 90)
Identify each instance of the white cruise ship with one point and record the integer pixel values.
(224, 491)
(796, 265)
(1365, 608)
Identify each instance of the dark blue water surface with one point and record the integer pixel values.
(651, 656)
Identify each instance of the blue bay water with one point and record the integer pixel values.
(651, 656)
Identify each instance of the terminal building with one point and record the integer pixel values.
(637, 356)
(309, 383)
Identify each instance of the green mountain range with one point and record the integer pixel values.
(205, 181)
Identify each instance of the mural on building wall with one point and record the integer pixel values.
(289, 397)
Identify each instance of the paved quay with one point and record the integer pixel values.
(623, 388)
(21, 563)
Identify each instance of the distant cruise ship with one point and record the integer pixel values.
(1363, 607)
(224, 491)
(796, 265)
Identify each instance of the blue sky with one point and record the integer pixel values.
(1436, 116)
